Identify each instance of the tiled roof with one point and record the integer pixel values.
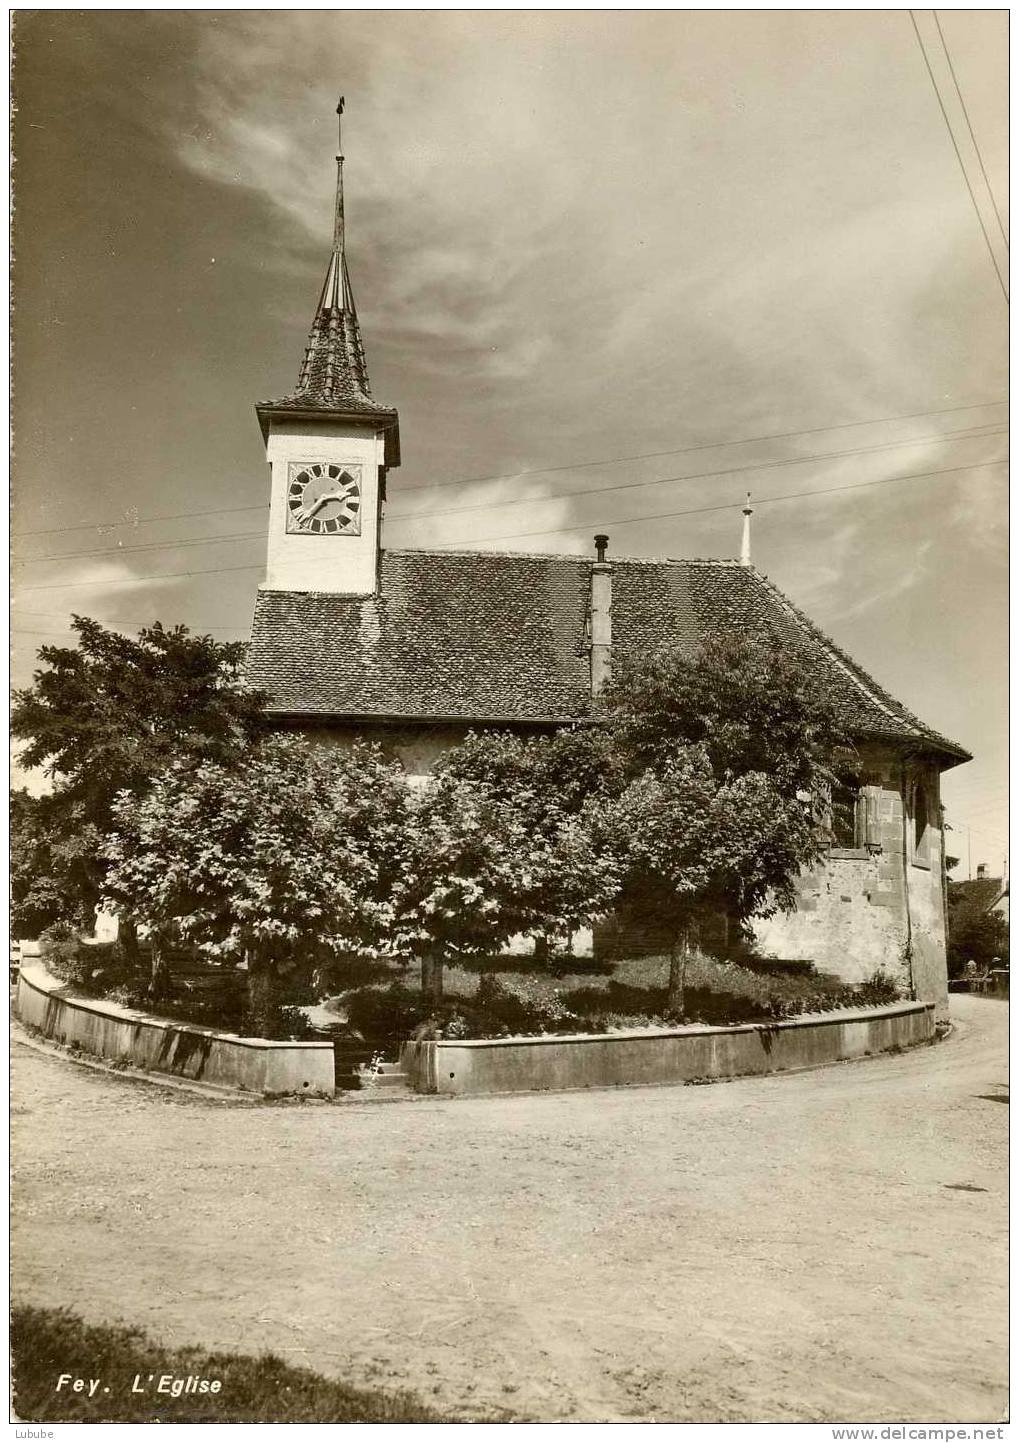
(979, 892)
(334, 373)
(483, 636)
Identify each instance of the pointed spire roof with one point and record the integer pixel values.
(334, 373)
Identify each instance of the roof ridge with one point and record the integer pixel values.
(579, 557)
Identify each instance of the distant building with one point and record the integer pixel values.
(413, 648)
(983, 892)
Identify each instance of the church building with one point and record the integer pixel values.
(414, 648)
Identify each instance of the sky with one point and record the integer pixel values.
(615, 268)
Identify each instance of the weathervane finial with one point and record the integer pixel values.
(339, 125)
(744, 554)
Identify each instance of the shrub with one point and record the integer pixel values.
(386, 1014)
(286, 1023)
(97, 968)
(527, 1005)
(878, 990)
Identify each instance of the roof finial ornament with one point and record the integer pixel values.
(338, 217)
(744, 553)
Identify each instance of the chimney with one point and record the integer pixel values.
(601, 617)
(981, 871)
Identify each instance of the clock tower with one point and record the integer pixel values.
(329, 446)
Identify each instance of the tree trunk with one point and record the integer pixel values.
(679, 954)
(160, 981)
(265, 995)
(431, 977)
(127, 936)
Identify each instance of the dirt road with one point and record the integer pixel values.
(826, 1246)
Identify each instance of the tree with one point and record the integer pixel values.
(104, 717)
(694, 846)
(748, 700)
(974, 933)
(730, 756)
(53, 863)
(280, 861)
(553, 786)
(489, 856)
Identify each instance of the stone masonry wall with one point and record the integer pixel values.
(879, 905)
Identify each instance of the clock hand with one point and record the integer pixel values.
(332, 496)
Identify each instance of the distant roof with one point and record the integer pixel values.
(487, 636)
(984, 893)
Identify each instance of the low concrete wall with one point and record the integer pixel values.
(680, 1054)
(105, 1029)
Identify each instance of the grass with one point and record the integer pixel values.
(573, 995)
(46, 1342)
(633, 992)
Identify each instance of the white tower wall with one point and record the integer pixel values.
(340, 563)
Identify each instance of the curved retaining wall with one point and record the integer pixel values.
(105, 1029)
(680, 1054)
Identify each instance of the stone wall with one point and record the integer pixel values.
(657, 1055)
(880, 904)
(154, 1044)
(417, 747)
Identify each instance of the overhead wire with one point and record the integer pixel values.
(726, 506)
(143, 546)
(184, 515)
(551, 531)
(969, 127)
(958, 156)
(695, 475)
(536, 471)
(99, 584)
(702, 446)
(965, 433)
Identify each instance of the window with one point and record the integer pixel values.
(921, 824)
(848, 819)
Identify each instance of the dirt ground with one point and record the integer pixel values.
(825, 1246)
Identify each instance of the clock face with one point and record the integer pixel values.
(324, 498)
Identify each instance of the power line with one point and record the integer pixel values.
(552, 531)
(539, 471)
(693, 476)
(969, 127)
(492, 505)
(187, 542)
(704, 446)
(134, 580)
(219, 511)
(958, 156)
(146, 546)
(726, 506)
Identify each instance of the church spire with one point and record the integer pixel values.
(333, 384)
(334, 371)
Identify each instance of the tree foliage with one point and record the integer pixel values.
(974, 933)
(497, 848)
(748, 700)
(730, 753)
(103, 717)
(280, 861)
